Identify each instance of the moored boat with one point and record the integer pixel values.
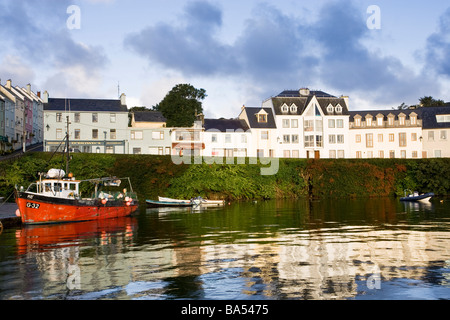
(56, 199)
(417, 197)
(159, 204)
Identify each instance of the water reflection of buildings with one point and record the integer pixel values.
(315, 263)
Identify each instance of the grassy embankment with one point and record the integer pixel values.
(154, 176)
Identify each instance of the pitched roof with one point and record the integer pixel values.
(149, 116)
(253, 121)
(84, 105)
(223, 125)
(290, 97)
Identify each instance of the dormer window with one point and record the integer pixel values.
(293, 108)
(380, 118)
(285, 108)
(261, 116)
(338, 109)
(357, 119)
(330, 109)
(391, 119)
(401, 119)
(369, 119)
(413, 118)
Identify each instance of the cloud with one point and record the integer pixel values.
(438, 47)
(37, 32)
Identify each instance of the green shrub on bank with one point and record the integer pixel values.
(154, 176)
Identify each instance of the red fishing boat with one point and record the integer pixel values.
(57, 198)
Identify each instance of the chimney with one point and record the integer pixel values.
(8, 84)
(346, 98)
(45, 98)
(39, 94)
(304, 92)
(29, 88)
(123, 99)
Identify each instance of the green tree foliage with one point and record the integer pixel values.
(429, 101)
(181, 105)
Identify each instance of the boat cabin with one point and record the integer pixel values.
(65, 188)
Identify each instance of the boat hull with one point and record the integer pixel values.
(161, 204)
(36, 209)
(421, 198)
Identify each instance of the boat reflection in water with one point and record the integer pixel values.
(57, 250)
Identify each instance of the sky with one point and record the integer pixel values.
(380, 53)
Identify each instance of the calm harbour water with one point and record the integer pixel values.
(277, 250)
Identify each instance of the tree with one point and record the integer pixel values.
(181, 105)
(430, 102)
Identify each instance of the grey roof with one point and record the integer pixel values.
(324, 99)
(254, 124)
(223, 125)
(428, 115)
(149, 116)
(84, 105)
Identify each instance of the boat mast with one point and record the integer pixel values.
(67, 147)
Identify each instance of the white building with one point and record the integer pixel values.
(149, 134)
(386, 134)
(96, 126)
(310, 124)
(226, 138)
(435, 131)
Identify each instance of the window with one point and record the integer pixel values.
(391, 137)
(295, 138)
(369, 154)
(262, 118)
(319, 125)
(94, 133)
(58, 133)
(319, 141)
(403, 154)
(369, 140)
(381, 154)
(339, 123)
(443, 118)
(390, 120)
(137, 135)
(341, 154)
(77, 134)
(309, 141)
(260, 153)
(330, 109)
(295, 154)
(110, 149)
(284, 108)
(137, 151)
(380, 121)
(286, 154)
(358, 155)
(331, 123)
(430, 135)
(413, 120)
(402, 139)
(437, 153)
(402, 120)
(413, 136)
(286, 138)
(392, 154)
(77, 117)
(286, 123)
(243, 138)
(264, 135)
(414, 154)
(59, 117)
(214, 138)
(369, 121)
(228, 138)
(380, 137)
(294, 123)
(112, 118)
(443, 135)
(340, 138)
(112, 134)
(293, 108)
(95, 117)
(338, 109)
(358, 138)
(309, 125)
(332, 139)
(159, 135)
(357, 122)
(332, 154)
